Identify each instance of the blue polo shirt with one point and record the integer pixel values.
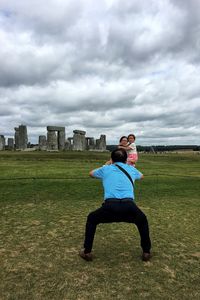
(116, 184)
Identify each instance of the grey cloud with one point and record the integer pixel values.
(6, 110)
(25, 65)
(171, 31)
(38, 17)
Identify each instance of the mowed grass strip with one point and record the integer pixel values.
(43, 218)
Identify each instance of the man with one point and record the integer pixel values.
(119, 205)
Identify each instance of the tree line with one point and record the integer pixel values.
(160, 148)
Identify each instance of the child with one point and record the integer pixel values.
(132, 150)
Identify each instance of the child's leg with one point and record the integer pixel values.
(132, 159)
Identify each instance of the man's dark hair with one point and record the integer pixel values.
(119, 155)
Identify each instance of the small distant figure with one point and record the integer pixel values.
(131, 149)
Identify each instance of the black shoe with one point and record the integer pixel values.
(86, 256)
(146, 256)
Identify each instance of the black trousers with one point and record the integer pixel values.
(117, 211)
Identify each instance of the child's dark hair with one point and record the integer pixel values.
(132, 136)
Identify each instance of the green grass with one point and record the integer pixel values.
(44, 202)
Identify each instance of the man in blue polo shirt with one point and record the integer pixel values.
(119, 204)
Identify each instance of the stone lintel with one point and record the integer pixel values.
(55, 128)
(79, 132)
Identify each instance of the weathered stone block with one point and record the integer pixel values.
(16, 138)
(2, 142)
(55, 128)
(42, 142)
(79, 141)
(79, 132)
(52, 141)
(10, 143)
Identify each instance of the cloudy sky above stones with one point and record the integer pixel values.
(108, 67)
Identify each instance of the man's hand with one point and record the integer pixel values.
(109, 162)
(91, 173)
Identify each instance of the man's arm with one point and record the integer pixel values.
(138, 175)
(141, 176)
(96, 173)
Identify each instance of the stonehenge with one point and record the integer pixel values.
(55, 140)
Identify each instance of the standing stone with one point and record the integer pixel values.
(101, 143)
(16, 138)
(52, 141)
(79, 141)
(23, 137)
(10, 143)
(69, 143)
(90, 143)
(42, 143)
(61, 139)
(97, 144)
(2, 142)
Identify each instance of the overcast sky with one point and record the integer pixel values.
(109, 67)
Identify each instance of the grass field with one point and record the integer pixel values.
(44, 202)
